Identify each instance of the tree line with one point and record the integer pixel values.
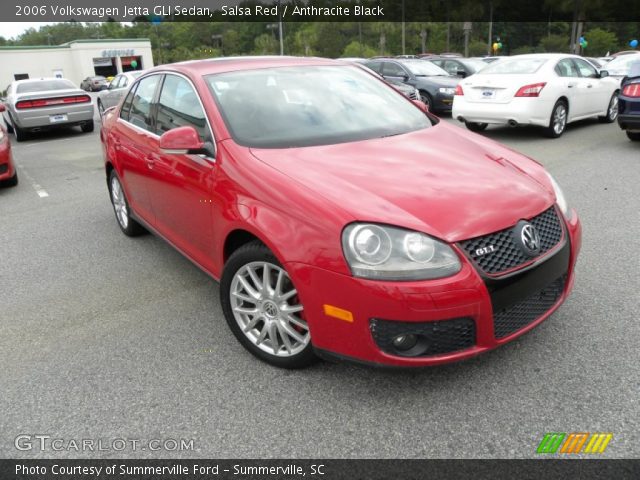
(176, 41)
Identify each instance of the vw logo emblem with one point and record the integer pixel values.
(530, 240)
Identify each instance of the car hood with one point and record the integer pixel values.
(442, 180)
(439, 81)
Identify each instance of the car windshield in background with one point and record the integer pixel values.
(305, 106)
(422, 68)
(514, 66)
(623, 64)
(136, 74)
(44, 86)
(475, 65)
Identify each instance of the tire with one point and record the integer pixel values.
(11, 182)
(21, 135)
(427, 100)
(476, 127)
(9, 126)
(612, 110)
(260, 317)
(121, 208)
(100, 109)
(87, 127)
(634, 136)
(558, 120)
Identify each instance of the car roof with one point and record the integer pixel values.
(233, 64)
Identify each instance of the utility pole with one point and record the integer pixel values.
(490, 44)
(467, 30)
(403, 29)
(280, 29)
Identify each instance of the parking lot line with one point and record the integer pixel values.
(42, 193)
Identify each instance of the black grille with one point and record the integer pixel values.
(507, 253)
(434, 338)
(517, 316)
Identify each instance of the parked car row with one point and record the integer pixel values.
(94, 84)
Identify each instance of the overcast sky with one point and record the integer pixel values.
(13, 29)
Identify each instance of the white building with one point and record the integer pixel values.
(74, 60)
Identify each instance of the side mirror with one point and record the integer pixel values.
(405, 78)
(2, 107)
(603, 73)
(182, 141)
(421, 105)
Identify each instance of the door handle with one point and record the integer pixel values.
(571, 85)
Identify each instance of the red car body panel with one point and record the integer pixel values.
(444, 181)
(6, 157)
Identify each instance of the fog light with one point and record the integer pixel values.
(405, 342)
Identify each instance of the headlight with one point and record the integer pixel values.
(447, 90)
(560, 198)
(388, 253)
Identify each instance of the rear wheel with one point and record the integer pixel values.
(87, 127)
(612, 110)
(635, 136)
(121, 208)
(21, 135)
(558, 120)
(263, 309)
(9, 126)
(100, 108)
(476, 127)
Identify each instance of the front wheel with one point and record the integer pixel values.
(263, 309)
(635, 136)
(476, 127)
(427, 100)
(558, 120)
(612, 110)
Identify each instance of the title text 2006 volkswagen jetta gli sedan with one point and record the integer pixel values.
(341, 219)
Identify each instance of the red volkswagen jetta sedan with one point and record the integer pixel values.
(8, 173)
(341, 219)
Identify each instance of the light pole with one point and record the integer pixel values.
(403, 29)
(280, 29)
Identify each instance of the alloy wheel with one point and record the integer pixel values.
(559, 119)
(267, 309)
(612, 113)
(119, 203)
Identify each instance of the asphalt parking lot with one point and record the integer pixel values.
(104, 336)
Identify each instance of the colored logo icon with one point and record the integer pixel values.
(574, 443)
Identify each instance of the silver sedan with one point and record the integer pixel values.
(42, 104)
(115, 91)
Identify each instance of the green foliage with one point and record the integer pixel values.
(175, 41)
(356, 49)
(600, 42)
(554, 44)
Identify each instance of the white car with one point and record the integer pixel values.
(547, 90)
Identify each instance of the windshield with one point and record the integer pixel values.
(423, 68)
(44, 85)
(514, 66)
(305, 106)
(622, 65)
(473, 64)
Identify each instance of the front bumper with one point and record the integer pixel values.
(7, 169)
(525, 111)
(467, 295)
